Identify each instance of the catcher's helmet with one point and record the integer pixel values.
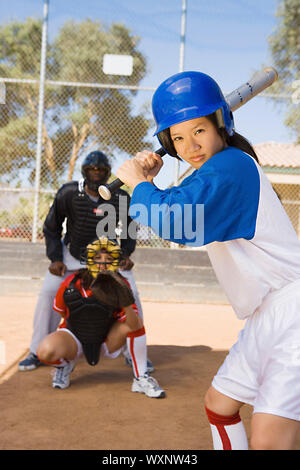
(189, 95)
(99, 160)
(102, 244)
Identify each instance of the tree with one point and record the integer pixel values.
(285, 50)
(19, 214)
(77, 118)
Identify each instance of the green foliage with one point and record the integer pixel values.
(285, 50)
(21, 214)
(78, 118)
(19, 43)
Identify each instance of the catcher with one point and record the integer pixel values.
(99, 318)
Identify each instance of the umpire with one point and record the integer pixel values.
(79, 204)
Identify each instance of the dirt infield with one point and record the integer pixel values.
(187, 343)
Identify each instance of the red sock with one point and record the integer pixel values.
(228, 432)
(59, 362)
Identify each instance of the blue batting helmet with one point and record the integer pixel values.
(189, 95)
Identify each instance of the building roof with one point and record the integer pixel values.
(278, 155)
(273, 156)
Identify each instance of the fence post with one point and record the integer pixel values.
(40, 122)
(181, 68)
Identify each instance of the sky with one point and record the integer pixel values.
(225, 39)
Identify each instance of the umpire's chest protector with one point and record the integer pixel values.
(89, 320)
(86, 215)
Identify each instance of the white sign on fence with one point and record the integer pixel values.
(116, 64)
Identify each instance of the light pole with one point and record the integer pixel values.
(181, 68)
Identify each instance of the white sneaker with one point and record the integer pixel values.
(149, 386)
(61, 378)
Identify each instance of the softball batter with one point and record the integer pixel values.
(253, 248)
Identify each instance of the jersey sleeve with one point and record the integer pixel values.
(218, 202)
(53, 224)
(59, 304)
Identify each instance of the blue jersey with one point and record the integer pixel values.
(230, 206)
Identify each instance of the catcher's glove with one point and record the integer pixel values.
(110, 288)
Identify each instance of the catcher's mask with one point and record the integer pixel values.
(95, 263)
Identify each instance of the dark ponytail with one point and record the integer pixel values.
(240, 142)
(236, 140)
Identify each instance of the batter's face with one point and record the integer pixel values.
(196, 141)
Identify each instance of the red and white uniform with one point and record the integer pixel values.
(136, 340)
(60, 307)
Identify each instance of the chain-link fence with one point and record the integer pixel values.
(60, 102)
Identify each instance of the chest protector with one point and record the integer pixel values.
(86, 215)
(89, 320)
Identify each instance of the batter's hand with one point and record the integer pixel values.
(150, 162)
(143, 167)
(58, 268)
